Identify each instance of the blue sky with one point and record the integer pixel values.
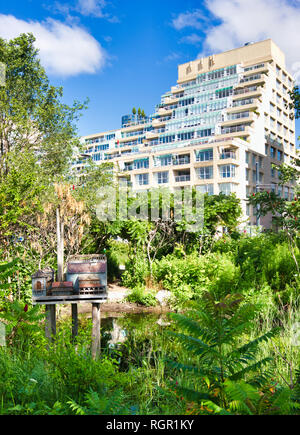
(122, 54)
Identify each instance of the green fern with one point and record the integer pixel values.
(223, 374)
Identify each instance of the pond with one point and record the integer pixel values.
(132, 338)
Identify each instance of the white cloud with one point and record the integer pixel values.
(91, 7)
(65, 50)
(243, 21)
(188, 19)
(87, 8)
(193, 39)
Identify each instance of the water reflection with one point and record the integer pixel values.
(116, 330)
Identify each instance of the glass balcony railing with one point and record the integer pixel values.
(234, 116)
(228, 155)
(129, 168)
(235, 129)
(251, 78)
(180, 178)
(245, 90)
(184, 161)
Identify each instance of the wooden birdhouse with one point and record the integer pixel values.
(89, 275)
(62, 289)
(39, 284)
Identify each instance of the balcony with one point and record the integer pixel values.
(182, 178)
(164, 111)
(228, 155)
(239, 115)
(243, 91)
(252, 78)
(128, 168)
(234, 129)
(181, 161)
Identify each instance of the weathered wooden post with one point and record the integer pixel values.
(74, 321)
(96, 339)
(50, 327)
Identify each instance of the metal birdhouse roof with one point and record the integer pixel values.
(39, 274)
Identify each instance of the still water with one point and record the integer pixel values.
(117, 330)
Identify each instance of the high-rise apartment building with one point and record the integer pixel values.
(219, 129)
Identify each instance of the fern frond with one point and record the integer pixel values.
(213, 407)
(192, 344)
(192, 327)
(254, 343)
(178, 366)
(192, 395)
(75, 407)
(253, 367)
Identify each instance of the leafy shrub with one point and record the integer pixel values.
(136, 273)
(140, 295)
(117, 254)
(187, 278)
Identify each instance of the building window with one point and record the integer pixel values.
(205, 172)
(227, 171)
(163, 160)
(204, 155)
(247, 157)
(142, 179)
(226, 188)
(206, 188)
(279, 190)
(141, 164)
(162, 177)
(286, 193)
(248, 209)
(272, 152)
(279, 155)
(247, 174)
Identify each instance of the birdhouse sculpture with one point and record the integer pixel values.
(88, 274)
(39, 284)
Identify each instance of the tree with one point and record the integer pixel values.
(286, 213)
(32, 116)
(60, 227)
(143, 114)
(139, 112)
(21, 195)
(134, 111)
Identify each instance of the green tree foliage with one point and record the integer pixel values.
(21, 194)
(32, 116)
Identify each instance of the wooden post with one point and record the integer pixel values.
(50, 328)
(74, 321)
(96, 341)
(60, 246)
